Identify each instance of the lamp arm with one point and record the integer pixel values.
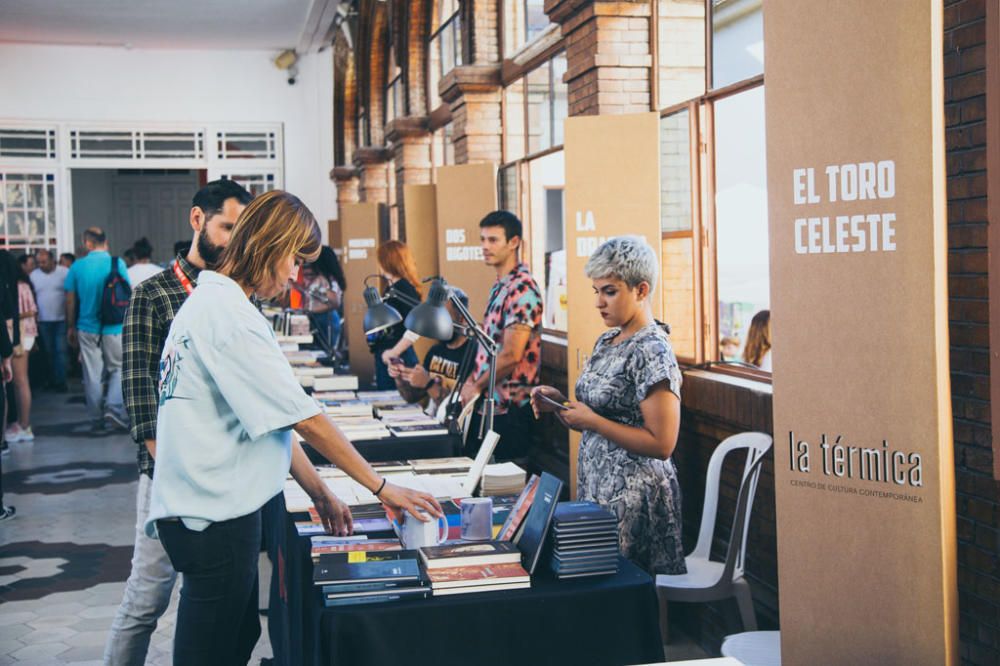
(486, 341)
(406, 298)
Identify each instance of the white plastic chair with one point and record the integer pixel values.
(754, 648)
(708, 580)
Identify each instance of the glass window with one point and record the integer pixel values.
(680, 50)
(27, 211)
(434, 61)
(545, 221)
(675, 172)
(547, 108)
(539, 109)
(737, 41)
(507, 185)
(513, 122)
(560, 98)
(741, 212)
(524, 20)
(442, 148)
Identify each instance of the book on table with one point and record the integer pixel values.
(459, 464)
(367, 545)
(426, 430)
(481, 578)
(403, 568)
(520, 509)
(469, 554)
(384, 596)
(531, 539)
(336, 383)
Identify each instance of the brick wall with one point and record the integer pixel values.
(968, 305)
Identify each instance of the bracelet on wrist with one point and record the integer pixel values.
(380, 488)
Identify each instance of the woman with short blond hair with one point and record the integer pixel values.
(228, 403)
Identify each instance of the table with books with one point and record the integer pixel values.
(548, 588)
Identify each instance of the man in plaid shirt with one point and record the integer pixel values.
(215, 209)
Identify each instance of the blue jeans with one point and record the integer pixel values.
(383, 382)
(53, 334)
(217, 623)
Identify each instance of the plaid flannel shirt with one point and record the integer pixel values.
(147, 321)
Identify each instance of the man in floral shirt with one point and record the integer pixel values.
(513, 320)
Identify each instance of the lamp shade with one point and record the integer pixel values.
(431, 319)
(379, 315)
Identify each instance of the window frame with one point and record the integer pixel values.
(703, 207)
(521, 78)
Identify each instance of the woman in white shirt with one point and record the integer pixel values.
(228, 403)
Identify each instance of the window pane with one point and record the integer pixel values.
(433, 74)
(544, 221)
(514, 121)
(513, 26)
(561, 98)
(679, 294)
(507, 180)
(681, 50)
(741, 212)
(737, 41)
(536, 18)
(539, 110)
(675, 172)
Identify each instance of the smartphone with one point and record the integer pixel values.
(395, 360)
(554, 403)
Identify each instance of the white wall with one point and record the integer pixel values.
(93, 84)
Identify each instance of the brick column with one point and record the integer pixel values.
(411, 154)
(373, 183)
(346, 180)
(608, 54)
(473, 92)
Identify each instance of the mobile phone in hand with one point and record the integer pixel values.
(395, 360)
(554, 403)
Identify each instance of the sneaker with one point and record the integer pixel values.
(116, 420)
(7, 512)
(16, 433)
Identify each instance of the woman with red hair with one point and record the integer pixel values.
(395, 262)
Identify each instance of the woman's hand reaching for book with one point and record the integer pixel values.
(417, 503)
(334, 514)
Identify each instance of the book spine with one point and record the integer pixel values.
(337, 588)
(379, 598)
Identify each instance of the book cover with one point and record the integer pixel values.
(467, 553)
(531, 540)
(519, 510)
(582, 512)
(509, 572)
(329, 559)
(375, 570)
(472, 589)
(372, 586)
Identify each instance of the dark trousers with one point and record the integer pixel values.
(53, 334)
(383, 382)
(217, 619)
(516, 429)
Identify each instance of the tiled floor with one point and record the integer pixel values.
(65, 555)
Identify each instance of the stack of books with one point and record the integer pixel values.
(369, 577)
(584, 540)
(347, 408)
(463, 568)
(503, 479)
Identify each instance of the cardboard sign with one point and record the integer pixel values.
(864, 477)
(420, 203)
(465, 194)
(612, 189)
(358, 223)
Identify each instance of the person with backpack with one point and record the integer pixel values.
(99, 285)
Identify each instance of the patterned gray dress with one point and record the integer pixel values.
(643, 492)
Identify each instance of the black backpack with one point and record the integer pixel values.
(114, 297)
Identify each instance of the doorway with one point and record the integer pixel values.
(129, 204)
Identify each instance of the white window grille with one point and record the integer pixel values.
(256, 183)
(17, 142)
(136, 144)
(247, 145)
(27, 210)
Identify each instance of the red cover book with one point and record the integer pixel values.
(484, 574)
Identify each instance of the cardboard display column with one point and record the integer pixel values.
(864, 477)
(359, 229)
(420, 203)
(612, 189)
(465, 194)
